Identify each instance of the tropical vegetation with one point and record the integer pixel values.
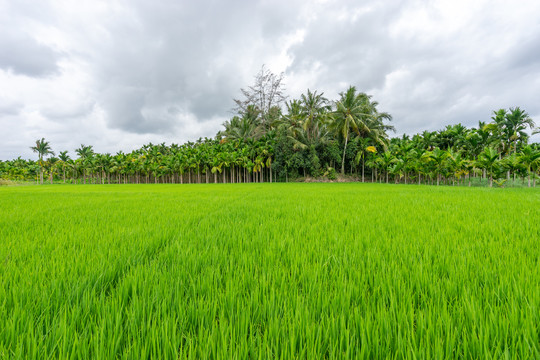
(310, 138)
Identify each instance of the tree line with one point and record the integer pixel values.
(271, 138)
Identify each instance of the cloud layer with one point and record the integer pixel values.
(119, 74)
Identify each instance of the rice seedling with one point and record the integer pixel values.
(274, 271)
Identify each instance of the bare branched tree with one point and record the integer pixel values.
(267, 95)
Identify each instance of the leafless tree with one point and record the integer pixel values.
(267, 95)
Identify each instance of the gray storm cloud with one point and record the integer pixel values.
(23, 55)
(125, 73)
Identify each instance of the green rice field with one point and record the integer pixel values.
(269, 271)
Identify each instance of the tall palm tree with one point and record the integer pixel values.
(246, 127)
(364, 147)
(529, 157)
(350, 114)
(43, 148)
(314, 112)
(85, 154)
(64, 158)
(438, 158)
(488, 160)
(496, 129)
(457, 164)
(51, 164)
(516, 122)
(357, 113)
(386, 160)
(428, 140)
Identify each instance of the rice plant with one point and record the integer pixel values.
(269, 271)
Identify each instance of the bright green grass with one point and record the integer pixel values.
(269, 271)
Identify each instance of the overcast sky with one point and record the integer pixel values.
(120, 74)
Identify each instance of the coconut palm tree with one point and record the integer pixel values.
(357, 113)
(314, 112)
(43, 148)
(351, 114)
(246, 127)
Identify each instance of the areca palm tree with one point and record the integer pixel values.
(516, 122)
(488, 160)
(64, 158)
(364, 147)
(428, 140)
(85, 153)
(457, 164)
(386, 161)
(43, 148)
(216, 167)
(496, 129)
(529, 157)
(51, 164)
(438, 158)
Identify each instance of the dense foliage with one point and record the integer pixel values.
(269, 272)
(314, 137)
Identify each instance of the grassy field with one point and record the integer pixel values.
(269, 271)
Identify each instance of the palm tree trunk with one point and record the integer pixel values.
(344, 151)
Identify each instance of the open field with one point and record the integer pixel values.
(269, 271)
